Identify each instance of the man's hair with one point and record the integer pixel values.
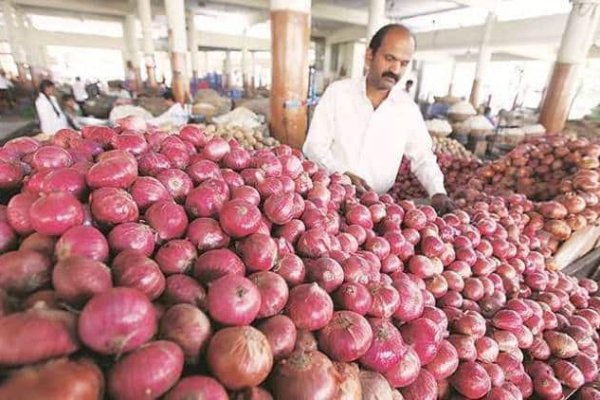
(67, 97)
(44, 84)
(168, 95)
(378, 37)
(77, 78)
(410, 82)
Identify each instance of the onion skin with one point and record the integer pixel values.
(445, 362)
(117, 321)
(233, 300)
(374, 386)
(36, 335)
(346, 337)
(309, 307)
(424, 388)
(387, 346)
(305, 375)
(281, 334)
(471, 380)
(197, 386)
(181, 288)
(77, 279)
(85, 241)
(60, 379)
(406, 371)
(189, 328)
(146, 373)
(24, 271)
(240, 357)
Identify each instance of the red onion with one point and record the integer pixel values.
(177, 183)
(131, 236)
(387, 347)
(77, 279)
(281, 335)
(181, 288)
(471, 380)
(153, 368)
(233, 300)
(273, 292)
(176, 256)
(346, 337)
(206, 234)
(215, 149)
(168, 219)
(240, 357)
(424, 335)
(117, 170)
(411, 300)
(309, 307)
(84, 241)
(353, 297)
(239, 218)
(197, 386)
(258, 251)
(147, 190)
(117, 321)
(423, 388)
(55, 213)
(112, 206)
(189, 328)
(36, 335)
(291, 268)
(24, 271)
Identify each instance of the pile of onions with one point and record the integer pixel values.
(162, 257)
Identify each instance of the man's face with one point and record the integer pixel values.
(50, 90)
(388, 64)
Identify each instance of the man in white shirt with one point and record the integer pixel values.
(363, 127)
(49, 113)
(79, 92)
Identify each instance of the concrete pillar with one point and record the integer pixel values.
(483, 61)
(290, 30)
(575, 45)
(145, 15)
(132, 52)
(245, 64)
(175, 10)
(452, 76)
(193, 44)
(377, 17)
(227, 70)
(253, 73)
(327, 62)
(14, 38)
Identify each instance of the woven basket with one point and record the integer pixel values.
(459, 117)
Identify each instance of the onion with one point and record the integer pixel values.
(309, 307)
(215, 149)
(206, 234)
(424, 335)
(471, 380)
(184, 289)
(279, 208)
(112, 206)
(487, 349)
(177, 183)
(240, 357)
(217, 263)
(167, 218)
(189, 328)
(153, 368)
(176, 256)
(17, 212)
(308, 375)
(51, 157)
(84, 241)
(239, 218)
(568, 374)
(273, 292)
(77, 279)
(11, 175)
(465, 347)
(117, 321)
(233, 300)
(133, 269)
(131, 236)
(39, 243)
(116, 170)
(55, 213)
(507, 320)
(326, 272)
(561, 345)
(197, 386)
(445, 362)
(55, 380)
(423, 388)
(587, 366)
(291, 268)
(548, 387)
(411, 300)
(387, 347)
(147, 190)
(385, 300)
(374, 386)
(24, 271)
(36, 335)
(281, 335)
(472, 324)
(258, 251)
(353, 297)
(422, 266)
(346, 337)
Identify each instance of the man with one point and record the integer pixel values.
(408, 86)
(49, 113)
(79, 92)
(362, 127)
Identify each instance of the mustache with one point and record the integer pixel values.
(389, 74)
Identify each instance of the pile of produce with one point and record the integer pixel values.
(248, 138)
(449, 147)
(144, 265)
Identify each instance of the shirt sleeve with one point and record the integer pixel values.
(319, 140)
(423, 161)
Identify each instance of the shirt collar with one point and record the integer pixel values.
(395, 95)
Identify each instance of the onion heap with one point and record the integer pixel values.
(257, 274)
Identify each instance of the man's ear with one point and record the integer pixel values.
(368, 57)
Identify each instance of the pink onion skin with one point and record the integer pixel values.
(110, 206)
(424, 388)
(132, 236)
(217, 263)
(233, 300)
(181, 288)
(17, 212)
(197, 386)
(281, 334)
(346, 337)
(77, 279)
(168, 219)
(273, 292)
(36, 335)
(387, 346)
(117, 321)
(176, 256)
(309, 307)
(406, 371)
(135, 270)
(24, 271)
(153, 368)
(55, 213)
(84, 241)
(188, 327)
(206, 234)
(258, 251)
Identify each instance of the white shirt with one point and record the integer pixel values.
(5, 83)
(347, 134)
(49, 121)
(79, 91)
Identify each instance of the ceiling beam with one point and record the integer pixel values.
(490, 5)
(118, 9)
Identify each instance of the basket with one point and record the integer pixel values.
(458, 117)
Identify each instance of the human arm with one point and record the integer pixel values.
(321, 133)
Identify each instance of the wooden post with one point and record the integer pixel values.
(575, 45)
(290, 30)
(145, 15)
(175, 10)
(485, 56)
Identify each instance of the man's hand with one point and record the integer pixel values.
(442, 203)
(360, 183)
